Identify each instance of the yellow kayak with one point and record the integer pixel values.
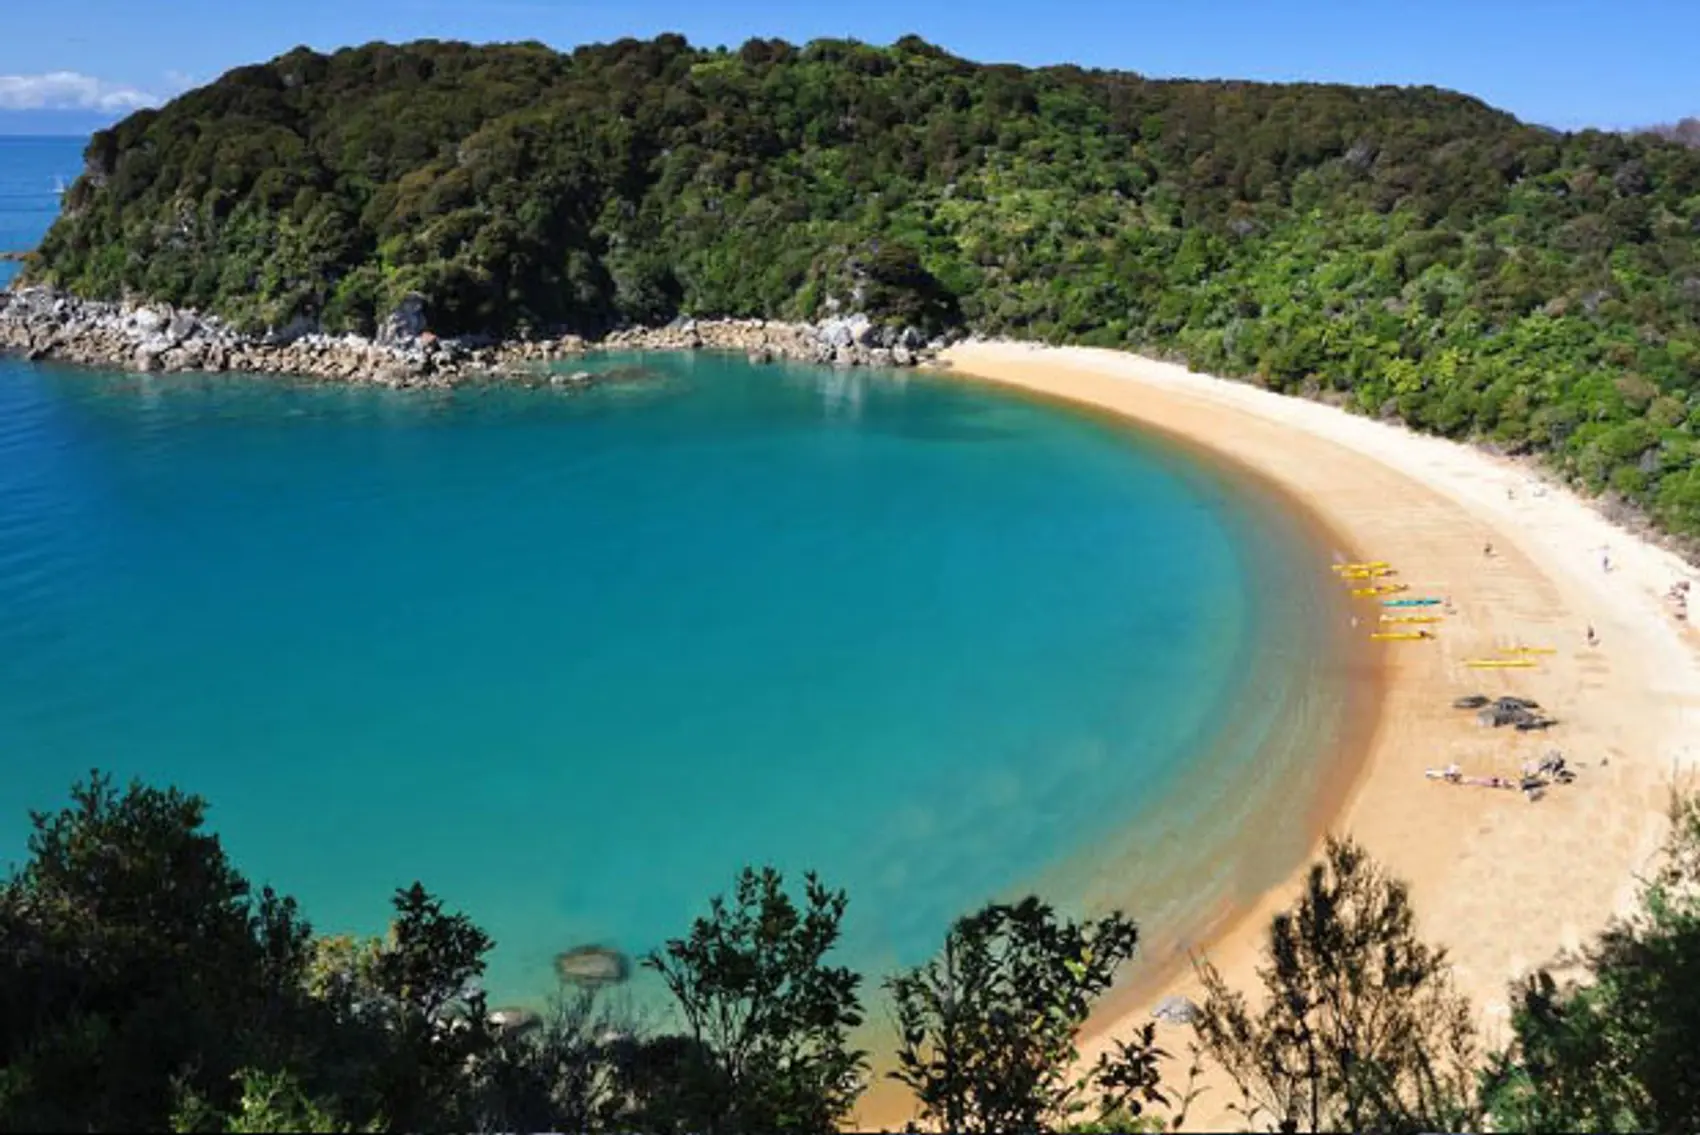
(1530, 650)
(1362, 566)
(1400, 636)
(1382, 589)
(1366, 573)
(1410, 618)
(1502, 663)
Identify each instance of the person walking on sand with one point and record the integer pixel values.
(1593, 638)
(1487, 548)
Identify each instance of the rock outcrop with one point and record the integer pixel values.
(40, 323)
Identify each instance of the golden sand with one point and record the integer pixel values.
(1502, 882)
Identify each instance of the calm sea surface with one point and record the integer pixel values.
(31, 169)
(572, 659)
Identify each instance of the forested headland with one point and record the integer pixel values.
(1411, 253)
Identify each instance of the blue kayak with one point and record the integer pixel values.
(1410, 602)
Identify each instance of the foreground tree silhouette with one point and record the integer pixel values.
(1361, 1029)
(562, 1073)
(1617, 1051)
(134, 957)
(769, 1020)
(987, 1030)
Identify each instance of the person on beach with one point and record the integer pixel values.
(1605, 559)
(1593, 638)
(1487, 548)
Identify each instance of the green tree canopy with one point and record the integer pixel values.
(1359, 1028)
(1415, 252)
(135, 957)
(768, 1018)
(987, 1030)
(1616, 1050)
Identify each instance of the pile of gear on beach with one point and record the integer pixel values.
(1410, 619)
(1525, 716)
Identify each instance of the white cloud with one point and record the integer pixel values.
(67, 90)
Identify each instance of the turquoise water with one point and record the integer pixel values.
(573, 659)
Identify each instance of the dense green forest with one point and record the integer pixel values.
(146, 984)
(1410, 252)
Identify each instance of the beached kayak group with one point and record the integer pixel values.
(1408, 618)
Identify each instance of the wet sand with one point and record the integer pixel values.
(1502, 882)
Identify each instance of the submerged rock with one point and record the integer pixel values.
(592, 966)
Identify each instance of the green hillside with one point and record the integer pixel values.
(1410, 251)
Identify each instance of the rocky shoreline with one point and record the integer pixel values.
(40, 323)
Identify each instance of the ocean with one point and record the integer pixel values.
(573, 659)
(31, 172)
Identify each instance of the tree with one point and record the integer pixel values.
(1360, 1029)
(134, 956)
(1616, 1050)
(987, 1030)
(1395, 244)
(268, 1102)
(560, 1072)
(432, 1021)
(768, 1019)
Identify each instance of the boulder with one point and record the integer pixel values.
(148, 357)
(183, 326)
(405, 324)
(836, 333)
(298, 328)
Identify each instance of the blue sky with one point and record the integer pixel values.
(1563, 63)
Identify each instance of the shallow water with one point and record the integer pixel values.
(571, 659)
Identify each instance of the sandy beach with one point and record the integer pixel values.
(1502, 882)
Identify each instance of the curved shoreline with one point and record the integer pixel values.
(1353, 666)
(1504, 884)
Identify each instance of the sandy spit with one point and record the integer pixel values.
(1501, 882)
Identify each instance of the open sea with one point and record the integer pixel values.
(572, 659)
